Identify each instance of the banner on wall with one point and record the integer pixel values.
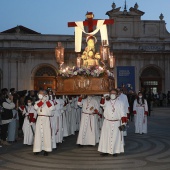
(126, 77)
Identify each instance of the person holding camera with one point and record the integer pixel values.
(111, 140)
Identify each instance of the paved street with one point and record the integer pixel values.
(142, 152)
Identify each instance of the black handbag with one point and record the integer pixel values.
(6, 114)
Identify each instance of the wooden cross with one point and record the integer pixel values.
(90, 22)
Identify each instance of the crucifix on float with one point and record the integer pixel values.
(90, 23)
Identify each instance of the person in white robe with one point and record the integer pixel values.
(61, 118)
(72, 115)
(123, 97)
(57, 119)
(63, 110)
(88, 133)
(28, 127)
(100, 114)
(78, 113)
(111, 139)
(140, 110)
(68, 115)
(53, 120)
(43, 130)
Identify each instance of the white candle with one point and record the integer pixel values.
(78, 61)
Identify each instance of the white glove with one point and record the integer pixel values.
(31, 123)
(26, 114)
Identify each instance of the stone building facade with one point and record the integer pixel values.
(144, 44)
(27, 58)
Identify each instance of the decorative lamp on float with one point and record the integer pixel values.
(59, 54)
(104, 53)
(111, 60)
(104, 50)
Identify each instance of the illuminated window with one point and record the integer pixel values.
(151, 83)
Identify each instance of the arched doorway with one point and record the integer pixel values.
(151, 80)
(45, 78)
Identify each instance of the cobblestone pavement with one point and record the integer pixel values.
(142, 152)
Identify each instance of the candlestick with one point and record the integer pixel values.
(78, 61)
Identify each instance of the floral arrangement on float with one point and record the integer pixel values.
(93, 71)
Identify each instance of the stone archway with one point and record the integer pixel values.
(151, 79)
(45, 78)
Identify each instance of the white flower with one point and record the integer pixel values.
(88, 72)
(75, 73)
(96, 71)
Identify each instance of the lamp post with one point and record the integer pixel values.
(59, 54)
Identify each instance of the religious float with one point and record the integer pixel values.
(93, 73)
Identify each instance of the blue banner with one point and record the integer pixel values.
(126, 77)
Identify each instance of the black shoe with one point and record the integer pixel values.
(45, 153)
(80, 146)
(104, 154)
(115, 155)
(36, 153)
